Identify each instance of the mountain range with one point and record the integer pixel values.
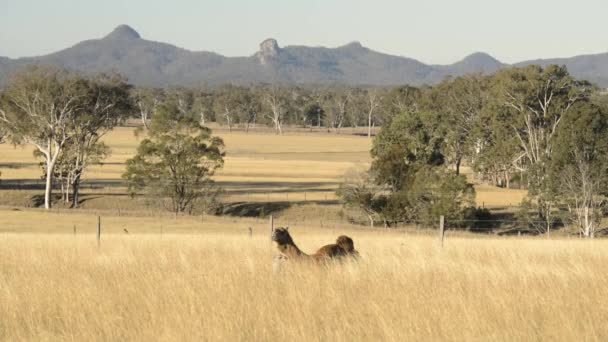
(156, 64)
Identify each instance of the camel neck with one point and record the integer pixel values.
(290, 249)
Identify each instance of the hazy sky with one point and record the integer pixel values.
(432, 31)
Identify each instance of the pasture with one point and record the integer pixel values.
(218, 284)
(298, 167)
(160, 277)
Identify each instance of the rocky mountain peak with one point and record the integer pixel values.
(269, 49)
(123, 32)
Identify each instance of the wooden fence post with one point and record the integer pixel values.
(441, 229)
(98, 231)
(271, 227)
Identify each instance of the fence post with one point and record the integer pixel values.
(250, 232)
(271, 227)
(98, 231)
(441, 229)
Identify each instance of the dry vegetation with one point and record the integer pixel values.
(260, 167)
(206, 279)
(219, 286)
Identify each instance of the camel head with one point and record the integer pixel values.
(346, 243)
(281, 236)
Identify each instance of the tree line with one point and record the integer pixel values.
(538, 127)
(277, 106)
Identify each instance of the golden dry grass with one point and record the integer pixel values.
(208, 280)
(258, 167)
(216, 286)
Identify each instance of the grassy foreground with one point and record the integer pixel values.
(220, 286)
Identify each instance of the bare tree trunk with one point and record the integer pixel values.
(68, 186)
(589, 229)
(63, 190)
(49, 184)
(51, 158)
(369, 124)
(279, 127)
(318, 119)
(76, 191)
(145, 122)
(373, 104)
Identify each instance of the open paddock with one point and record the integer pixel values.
(216, 283)
(259, 167)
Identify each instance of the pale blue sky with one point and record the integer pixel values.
(433, 31)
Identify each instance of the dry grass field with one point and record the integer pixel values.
(220, 286)
(160, 277)
(260, 166)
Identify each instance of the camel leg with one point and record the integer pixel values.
(277, 263)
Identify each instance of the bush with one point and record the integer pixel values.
(477, 218)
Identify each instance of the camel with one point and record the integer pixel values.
(344, 247)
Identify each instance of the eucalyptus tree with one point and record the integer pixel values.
(461, 102)
(336, 107)
(227, 104)
(533, 102)
(250, 106)
(356, 110)
(202, 105)
(374, 101)
(276, 106)
(38, 108)
(147, 100)
(108, 104)
(176, 161)
(398, 100)
(578, 168)
(408, 160)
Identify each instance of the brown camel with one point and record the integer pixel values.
(343, 247)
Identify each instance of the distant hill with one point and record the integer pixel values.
(149, 63)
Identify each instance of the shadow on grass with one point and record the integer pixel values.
(261, 209)
(38, 200)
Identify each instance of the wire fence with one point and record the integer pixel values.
(94, 224)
